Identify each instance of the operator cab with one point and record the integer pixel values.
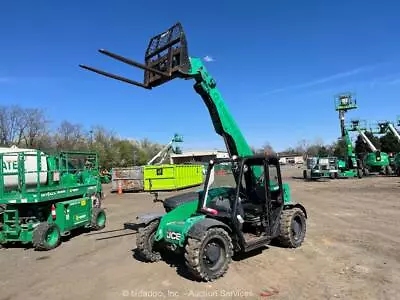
(236, 194)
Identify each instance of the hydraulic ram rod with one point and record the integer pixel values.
(366, 140)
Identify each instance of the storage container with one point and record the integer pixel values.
(172, 177)
(9, 161)
(130, 179)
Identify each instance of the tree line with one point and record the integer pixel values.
(386, 143)
(30, 128)
(308, 148)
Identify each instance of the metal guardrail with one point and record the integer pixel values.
(62, 165)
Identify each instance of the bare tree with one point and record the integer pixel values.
(268, 150)
(30, 128)
(318, 141)
(3, 126)
(36, 127)
(302, 146)
(12, 125)
(70, 136)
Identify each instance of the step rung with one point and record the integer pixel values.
(10, 232)
(256, 243)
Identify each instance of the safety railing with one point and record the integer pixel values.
(34, 169)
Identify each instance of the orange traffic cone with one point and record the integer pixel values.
(120, 188)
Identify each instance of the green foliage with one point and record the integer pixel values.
(362, 148)
(115, 152)
(339, 148)
(323, 151)
(318, 148)
(389, 143)
(26, 127)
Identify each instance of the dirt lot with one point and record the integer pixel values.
(352, 251)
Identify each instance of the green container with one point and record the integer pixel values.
(172, 177)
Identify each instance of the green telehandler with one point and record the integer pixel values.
(350, 166)
(238, 212)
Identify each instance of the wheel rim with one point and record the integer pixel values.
(297, 228)
(101, 219)
(52, 236)
(96, 201)
(213, 254)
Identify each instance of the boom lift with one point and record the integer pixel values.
(164, 151)
(350, 166)
(155, 175)
(374, 161)
(210, 225)
(385, 126)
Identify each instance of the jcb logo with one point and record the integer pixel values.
(173, 235)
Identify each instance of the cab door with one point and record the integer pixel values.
(274, 194)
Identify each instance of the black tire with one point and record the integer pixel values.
(99, 218)
(146, 247)
(198, 261)
(292, 228)
(97, 200)
(398, 171)
(388, 171)
(46, 236)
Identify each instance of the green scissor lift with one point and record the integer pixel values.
(45, 197)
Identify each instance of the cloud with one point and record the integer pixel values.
(208, 58)
(394, 82)
(323, 80)
(391, 79)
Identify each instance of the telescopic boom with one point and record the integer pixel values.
(167, 58)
